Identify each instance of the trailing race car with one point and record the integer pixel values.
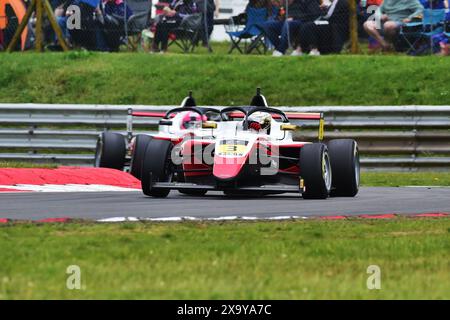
(117, 151)
(246, 150)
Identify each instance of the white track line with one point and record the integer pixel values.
(66, 188)
(119, 219)
(187, 218)
(427, 187)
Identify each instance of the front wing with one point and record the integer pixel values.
(276, 188)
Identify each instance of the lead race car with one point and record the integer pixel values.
(247, 150)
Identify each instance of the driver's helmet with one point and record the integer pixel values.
(192, 120)
(259, 121)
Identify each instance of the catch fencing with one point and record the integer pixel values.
(389, 138)
(258, 26)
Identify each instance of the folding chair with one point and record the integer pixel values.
(138, 21)
(186, 36)
(414, 32)
(251, 31)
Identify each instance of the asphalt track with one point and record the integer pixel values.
(100, 205)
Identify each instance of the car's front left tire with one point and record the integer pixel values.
(315, 170)
(157, 166)
(140, 145)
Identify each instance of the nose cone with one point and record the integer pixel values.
(226, 168)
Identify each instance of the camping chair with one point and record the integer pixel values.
(414, 32)
(142, 12)
(251, 31)
(118, 33)
(186, 36)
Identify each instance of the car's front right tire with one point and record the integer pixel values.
(110, 151)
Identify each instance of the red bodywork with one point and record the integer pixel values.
(236, 168)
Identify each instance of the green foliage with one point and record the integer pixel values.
(220, 79)
(397, 179)
(232, 260)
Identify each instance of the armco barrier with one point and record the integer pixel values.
(400, 137)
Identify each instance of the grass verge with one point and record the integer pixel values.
(218, 79)
(16, 164)
(398, 179)
(239, 260)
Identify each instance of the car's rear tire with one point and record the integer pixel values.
(140, 146)
(157, 163)
(344, 157)
(110, 151)
(315, 169)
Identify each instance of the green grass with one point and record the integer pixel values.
(220, 79)
(397, 179)
(264, 260)
(15, 164)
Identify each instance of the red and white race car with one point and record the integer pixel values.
(246, 150)
(125, 151)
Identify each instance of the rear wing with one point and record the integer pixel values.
(309, 116)
(131, 114)
(146, 114)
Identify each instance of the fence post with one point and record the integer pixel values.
(39, 6)
(21, 27)
(354, 44)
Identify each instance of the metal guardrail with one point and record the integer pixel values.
(402, 137)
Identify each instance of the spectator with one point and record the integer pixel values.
(110, 25)
(61, 16)
(85, 37)
(169, 20)
(328, 33)
(365, 9)
(280, 28)
(117, 8)
(392, 14)
(212, 11)
(101, 24)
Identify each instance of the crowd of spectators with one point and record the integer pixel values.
(322, 26)
(103, 21)
(311, 27)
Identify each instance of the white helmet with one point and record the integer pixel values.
(259, 120)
